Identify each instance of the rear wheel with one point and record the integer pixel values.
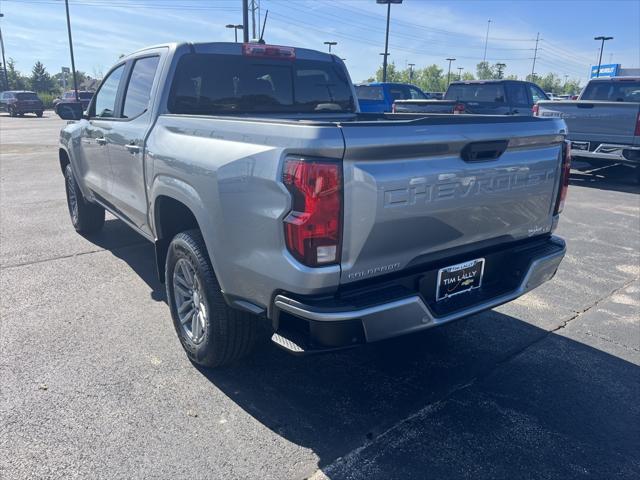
(212, 333)
(12, 112)
(39, 114)
(86, 217)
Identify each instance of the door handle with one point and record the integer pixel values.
(101, 141)
(133, 148)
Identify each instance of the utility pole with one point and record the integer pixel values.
(460, 69)
(500, 66)
(535, 54)
(449, 72)
(245, 21)
(4, 62)
(411, 65)
(386, 38)
(604, 39)
(73, 62)
(486, 41)
(235, 29)
(330, 44)
(254, 7)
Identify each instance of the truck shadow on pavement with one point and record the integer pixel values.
(617, 178)
(490, 396)
(496, 398)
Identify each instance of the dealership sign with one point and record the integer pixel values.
(610, 70)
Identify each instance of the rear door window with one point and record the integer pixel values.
(537, 94)
(27, 96)
(613, 91)
(369, 92)
(476, 92)
(136, 100)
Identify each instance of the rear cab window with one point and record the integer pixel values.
(213, 84)
(476, 92)
(369, 92)
(537, 94)
(27, 96)
(613, 91)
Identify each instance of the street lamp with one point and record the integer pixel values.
(386, 38)
(330, 44)
(604, 39)
(500, 66)
(235, 29)
(460, 69)
(411, 65)
(4, 63)
(449, 73)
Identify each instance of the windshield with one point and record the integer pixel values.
(209, 84)
(613, 91)
(369, 92)
(27, 96)
(476, 92)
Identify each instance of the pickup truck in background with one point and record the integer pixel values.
(480, 97)
(378, 97)
(268, 195)
(604, 124)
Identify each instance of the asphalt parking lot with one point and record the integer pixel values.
(94, 383)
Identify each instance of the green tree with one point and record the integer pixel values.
(58, 83)
(468, 76)
(484, 71)
(40, 79)
(571, 87)
(17, 81)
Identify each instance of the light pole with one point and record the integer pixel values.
(73, 62)
(460, 69)
(411, 65)
(330, 45)
(235, 29)
(486, 41)
(449, 72)
(4, 63)
(604, 39)
(386, 38)
(500, 66)
(245, 21)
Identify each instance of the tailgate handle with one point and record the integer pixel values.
(585, 105)
(483, 151)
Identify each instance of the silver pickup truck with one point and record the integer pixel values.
(268, 195)
(604, 124)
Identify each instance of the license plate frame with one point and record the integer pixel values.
(459, 278)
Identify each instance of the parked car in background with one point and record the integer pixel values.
(604, 123)
(483, 97)
(269, 196)
(378, 97)
(435, 95)
(19, 102)
(70, 96)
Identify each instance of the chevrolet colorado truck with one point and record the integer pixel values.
(480, 97)
(604, 124)
(270, 197)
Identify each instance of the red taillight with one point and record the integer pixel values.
(565, 172)
(458, 108)
(637, 125)
(271, 51)
(535, 110)
(313, 227)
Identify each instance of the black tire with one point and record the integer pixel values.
(39, 114)
(12, 112)
(228, 334)
(86, 217)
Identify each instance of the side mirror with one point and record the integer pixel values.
(69, 111)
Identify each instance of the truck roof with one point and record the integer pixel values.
(493, 80)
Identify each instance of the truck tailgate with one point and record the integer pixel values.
(613, 122)
(409, 195)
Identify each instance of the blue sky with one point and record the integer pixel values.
(422, 31)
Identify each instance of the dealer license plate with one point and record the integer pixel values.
(459, 278)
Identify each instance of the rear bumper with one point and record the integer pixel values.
(626, 154)
(414, 312)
